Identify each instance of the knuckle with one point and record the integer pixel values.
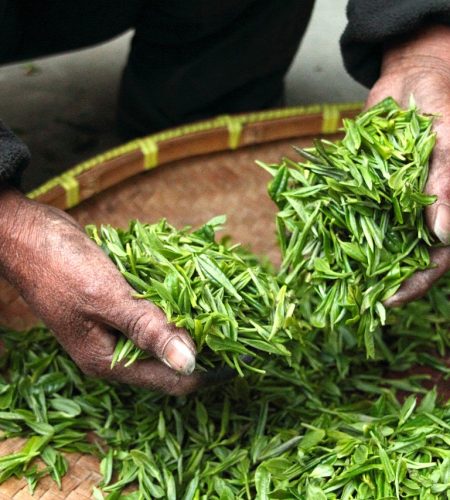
(94, 367)
(176, 390)
(93, 291)
(181, 385)
(90, 347)
(144, 330)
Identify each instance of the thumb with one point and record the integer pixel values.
(420, 282)
(147, 327)
(438, 214)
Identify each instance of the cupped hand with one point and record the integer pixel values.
(79, 294)
(420, 67)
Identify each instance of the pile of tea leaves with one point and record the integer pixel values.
(351, 225)
(313, 418)
(330, 426)
(226, 299)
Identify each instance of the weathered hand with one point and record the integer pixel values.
(420, 67)
(77, 291)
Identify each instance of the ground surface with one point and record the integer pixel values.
(64, 106)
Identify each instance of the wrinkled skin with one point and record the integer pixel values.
(79, 294)
(420, 66)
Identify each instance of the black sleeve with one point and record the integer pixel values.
(371, 23)
(14, 155)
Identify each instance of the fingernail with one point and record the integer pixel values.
(442, 223)
(178, 356)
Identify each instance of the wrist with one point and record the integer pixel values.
(12, 221)
(427, 49)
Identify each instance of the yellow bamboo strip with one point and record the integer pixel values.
(149, 145)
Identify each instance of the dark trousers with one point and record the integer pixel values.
(188, 60)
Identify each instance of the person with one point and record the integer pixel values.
(189, 60)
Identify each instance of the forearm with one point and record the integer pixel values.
(11, 201)
(10, 198)
(16, 232)
(14, 157)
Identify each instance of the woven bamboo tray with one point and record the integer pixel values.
(204, 169)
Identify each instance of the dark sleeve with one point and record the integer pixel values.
(14, 155)
(371, 23)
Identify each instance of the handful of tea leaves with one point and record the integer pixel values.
(230, 304)
(351, 225)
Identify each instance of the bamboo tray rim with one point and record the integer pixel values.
(228, 130)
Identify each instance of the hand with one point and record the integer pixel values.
(420, 67)
(77, 291)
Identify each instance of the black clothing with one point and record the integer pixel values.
(372, 23)
(36, 28)
(14, 155)
(194, 59)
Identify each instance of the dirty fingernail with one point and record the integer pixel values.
(442, 223)
(179, 357)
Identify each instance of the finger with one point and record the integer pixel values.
(153, 375)
(420, 282)
(147, 327)
(95, 353)
(438, 214)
